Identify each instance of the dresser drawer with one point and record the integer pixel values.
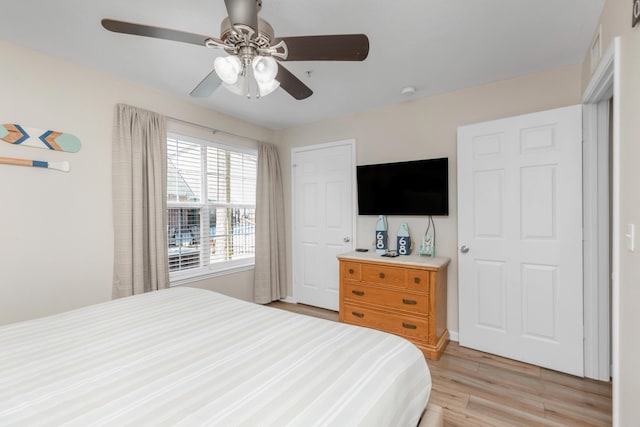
(350, 270)
(405, 296)
(395, 276)
(389, 298)
(406, 326)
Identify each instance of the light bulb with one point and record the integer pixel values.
(265, 88)
(228, 68)
(265, 69)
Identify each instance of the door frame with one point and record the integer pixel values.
(354, 208)
(600, 327)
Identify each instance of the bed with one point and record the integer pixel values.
(191, 357)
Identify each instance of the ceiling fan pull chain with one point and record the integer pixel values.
(247, 82)
(254, 82)
(251, 82)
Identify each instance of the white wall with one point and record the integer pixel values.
(426, 128)
(56, 229)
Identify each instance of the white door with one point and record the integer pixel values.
(520, 238)
(323, 219)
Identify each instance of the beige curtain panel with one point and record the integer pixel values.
(139, 201)
(270, 268)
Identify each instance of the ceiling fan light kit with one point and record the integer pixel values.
(251, 67)
(265, 68)
(228, 68)
(251, 81)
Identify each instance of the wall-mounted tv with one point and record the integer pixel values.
(419, 187)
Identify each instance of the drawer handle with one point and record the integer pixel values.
(359, 293)
(351, 271)
(409, 301)
(416, 280)
(408, 326)
(355, 313)
(381, 275)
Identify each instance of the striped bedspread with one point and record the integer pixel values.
(191, 357)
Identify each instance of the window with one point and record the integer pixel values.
(211, 201)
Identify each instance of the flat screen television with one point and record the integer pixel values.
(419, 187)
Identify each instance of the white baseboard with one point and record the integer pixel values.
(289, 300)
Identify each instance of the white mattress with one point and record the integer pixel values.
(191, 357)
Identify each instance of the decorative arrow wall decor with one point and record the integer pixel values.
(38, 138)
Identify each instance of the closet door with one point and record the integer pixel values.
(323, 219)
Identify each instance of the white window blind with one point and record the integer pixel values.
(211, 206)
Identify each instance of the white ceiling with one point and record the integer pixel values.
(434, 45)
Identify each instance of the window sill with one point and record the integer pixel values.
(185, 277)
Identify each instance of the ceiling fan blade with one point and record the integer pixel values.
(206, 87)
(292, 84)
(154, 32)
(343, 47)
(243, 12)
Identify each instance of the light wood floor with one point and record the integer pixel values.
(480, 389)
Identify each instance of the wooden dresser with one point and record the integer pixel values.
(406, 296)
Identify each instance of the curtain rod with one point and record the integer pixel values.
(214, 130)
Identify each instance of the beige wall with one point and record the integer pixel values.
(56, 229)
(627, 384)
(616, 22)
(426, 128)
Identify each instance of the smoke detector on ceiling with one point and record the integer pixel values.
(408, 91)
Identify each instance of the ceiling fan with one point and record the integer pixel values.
(251, 67)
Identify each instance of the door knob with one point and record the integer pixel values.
(464, 249)
(346, 239)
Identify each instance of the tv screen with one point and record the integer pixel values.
(419, 187)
